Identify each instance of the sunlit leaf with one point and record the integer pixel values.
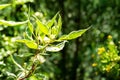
(51, 22)
(11, 23)
(63, 37)
(42, 27)
(22, 1)
(33, 78)
(2, 6)
(73, 35)
(30, 26)
(54, 32)
(56, 48)
(30, 44)
(59, 24)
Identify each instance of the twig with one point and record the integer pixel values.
(30, 72)
(32, 68)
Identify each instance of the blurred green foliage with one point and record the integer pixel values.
(75, 61)
(107, 60)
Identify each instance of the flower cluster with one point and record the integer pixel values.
(107, 59)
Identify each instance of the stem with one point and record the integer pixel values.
(16, 63)
(32, 70)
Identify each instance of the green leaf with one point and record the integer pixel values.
(2, 6)
(54, 32)
(42, 27)
(30, 26)
(27, 54)
(37, 31)
(33, 78)
(63, 37)
(56, 48)
(22, 1)
(73, 34)
(11, 23)
(30, 44)
(56, 28)
(59, 24)
(51, 22)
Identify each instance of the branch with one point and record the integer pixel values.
(30, 72)
(32, 68)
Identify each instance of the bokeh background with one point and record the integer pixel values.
(74, 62)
